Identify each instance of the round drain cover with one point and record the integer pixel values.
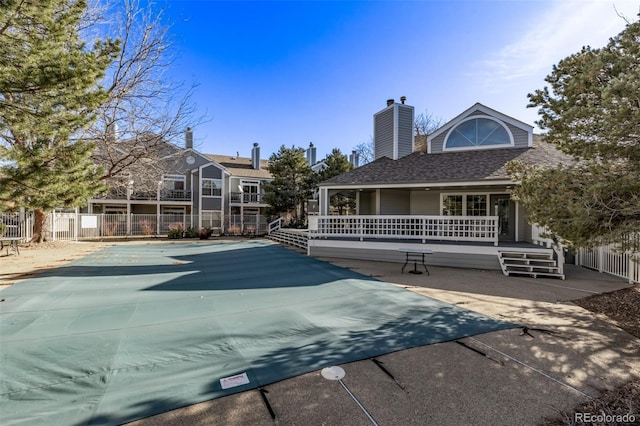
(332, 373)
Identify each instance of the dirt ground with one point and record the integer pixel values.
(36, 258)
(620, 307)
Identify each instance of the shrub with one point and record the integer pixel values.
(147, 227)
(176, 231)
(109, 228)
(3, 229)
(190, 232)
(234, 229)
(205, 233)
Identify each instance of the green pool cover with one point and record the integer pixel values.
(136, 330)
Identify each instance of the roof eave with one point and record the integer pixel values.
(442, 184)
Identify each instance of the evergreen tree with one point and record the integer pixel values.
(592, 111)
(337, 164)
(48, 94)
(292, 184)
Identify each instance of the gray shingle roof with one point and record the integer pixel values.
(241, 166)
(461, 166)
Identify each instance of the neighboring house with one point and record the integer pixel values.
(245, 206)
(458, 189)
(192, 188)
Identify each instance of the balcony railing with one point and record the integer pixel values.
(452, 228)
(165, 195)
(175, 195)
(246, 198)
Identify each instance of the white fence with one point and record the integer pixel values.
(17, 224)
(452, 228)
(77, 226)
(250, 224)
(609, 259)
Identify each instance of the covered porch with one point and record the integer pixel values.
(452, 212)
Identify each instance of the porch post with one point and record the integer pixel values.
(76, 224)
(53, 225)
(323, 198)
(378, 201)
(128, 218)
(600, 259)
(517, 230)
(632, 266)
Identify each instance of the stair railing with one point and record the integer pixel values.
(274, 226)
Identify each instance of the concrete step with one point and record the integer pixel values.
(537, 274)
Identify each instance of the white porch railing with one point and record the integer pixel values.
(452, 228)
(538, 236)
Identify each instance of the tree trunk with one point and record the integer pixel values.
(39, 220)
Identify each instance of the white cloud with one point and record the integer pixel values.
(562, 29)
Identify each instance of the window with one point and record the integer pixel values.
(173, 210)
(476, 205)
(464, 204)
(211, 187)
(250, 191)
(478, 133)
(452, 205)
(211, 219)
(115, 209)
(174, 182)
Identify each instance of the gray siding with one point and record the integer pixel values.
(212, 203)
(383, 134)
(438, 142)
(212, 172)
(365, 203)
(520, 137)
(455, 260)
(405, 130)
(425, 202)
(195, 192)
(525, 227)
(393, 201)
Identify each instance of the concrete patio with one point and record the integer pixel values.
(498, 378)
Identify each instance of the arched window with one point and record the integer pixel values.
(478, 132)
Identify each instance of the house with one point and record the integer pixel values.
(244, 186)
(454, 197)
(188, 187)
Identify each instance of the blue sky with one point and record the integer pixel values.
(293, 72)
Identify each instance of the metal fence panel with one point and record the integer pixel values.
(17, 225)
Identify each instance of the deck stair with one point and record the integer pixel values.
(536, 265)
(294, 237)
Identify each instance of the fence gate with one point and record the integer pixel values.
(63, 227)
